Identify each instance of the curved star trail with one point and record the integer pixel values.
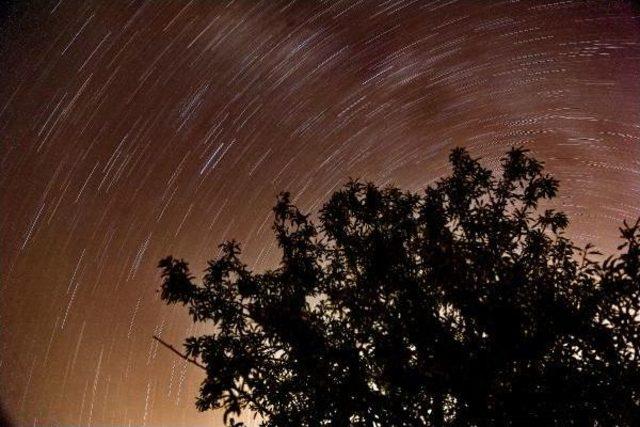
(130, 132)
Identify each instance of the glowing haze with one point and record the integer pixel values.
(130, 132)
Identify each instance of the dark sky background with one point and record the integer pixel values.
(134, 130)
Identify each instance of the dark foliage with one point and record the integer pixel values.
(466, 305)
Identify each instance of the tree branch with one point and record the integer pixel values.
(241, 392)
(184, 356)
(261, 408)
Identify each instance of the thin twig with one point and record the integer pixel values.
(243, 393)
(184, 356)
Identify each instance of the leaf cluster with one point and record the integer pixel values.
(461, 305)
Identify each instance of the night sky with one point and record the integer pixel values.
(133, 131)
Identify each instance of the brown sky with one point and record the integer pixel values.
(133, 132)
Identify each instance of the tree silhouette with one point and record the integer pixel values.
(465, 305)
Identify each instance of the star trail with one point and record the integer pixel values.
(131, 131)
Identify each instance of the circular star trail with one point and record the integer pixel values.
(133, 131)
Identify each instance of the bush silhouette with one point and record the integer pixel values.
(465, 305)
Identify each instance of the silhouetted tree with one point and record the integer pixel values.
(465, 305)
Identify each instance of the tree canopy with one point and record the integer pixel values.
(465, 304)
